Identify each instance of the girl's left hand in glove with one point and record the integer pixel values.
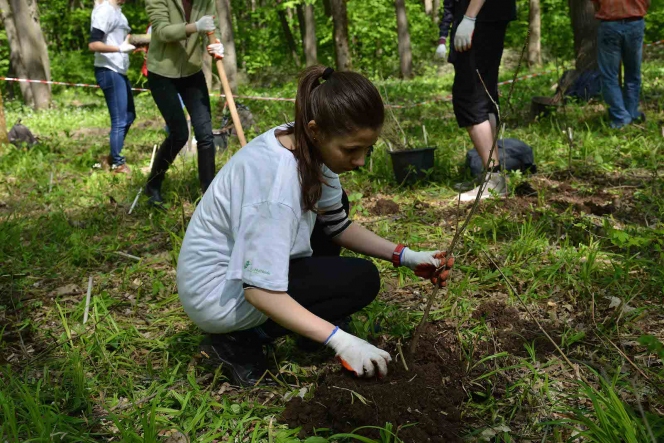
(432, 265)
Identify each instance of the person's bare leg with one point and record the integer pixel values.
(482, 136)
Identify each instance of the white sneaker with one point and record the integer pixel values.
(496, 185)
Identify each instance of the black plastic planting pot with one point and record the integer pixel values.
(411, 165)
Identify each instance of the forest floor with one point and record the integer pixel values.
(579, 256)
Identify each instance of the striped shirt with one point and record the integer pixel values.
(620, 9)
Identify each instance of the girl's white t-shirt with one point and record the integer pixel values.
(246, 229)
(114, 24)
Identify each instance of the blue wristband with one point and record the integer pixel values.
(333, 332)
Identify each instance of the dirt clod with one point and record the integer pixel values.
(385, 207)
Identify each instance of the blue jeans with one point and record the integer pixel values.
(621, 40)
(120, 102)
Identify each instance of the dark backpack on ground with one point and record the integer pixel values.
(586, 85)
(514, 154)
(20, 136)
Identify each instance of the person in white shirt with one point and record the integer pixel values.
(260, 257)
(109, 40)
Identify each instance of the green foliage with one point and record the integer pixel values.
(655, 346)
(610, 419)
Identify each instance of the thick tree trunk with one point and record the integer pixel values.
(32, 50)
(405, 53)
(305, 14)
(15, 58)
(341, 47)
(435, 11)
(226, 27)
(41, 41)
(4, 139)
(428, 7)
(535, 41)
(584, 26)
(290, 41)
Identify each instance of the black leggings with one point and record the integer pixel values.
(196, 98)
(329, 286)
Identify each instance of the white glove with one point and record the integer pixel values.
(358, 355)
(205, 24)
(413, 259)
(441, 51)
(216, 49)
(463, 39)
(126, 47)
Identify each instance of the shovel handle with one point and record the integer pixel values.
(229, 95)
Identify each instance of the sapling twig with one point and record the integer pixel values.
(473, 209)
(403, 360)
(424, 133)
(394, 117)
(138, 194)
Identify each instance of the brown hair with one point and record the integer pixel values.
(344, 103)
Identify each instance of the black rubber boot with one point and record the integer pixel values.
(206, 167)
(156, 178)
(241, 356)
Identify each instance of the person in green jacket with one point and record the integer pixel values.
(175, 61)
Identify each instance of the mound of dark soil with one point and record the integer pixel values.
(428, 396)
(385, 207)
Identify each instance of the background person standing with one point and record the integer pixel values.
(175, 63)
(109, 40)
(478, 37)
(620, 38)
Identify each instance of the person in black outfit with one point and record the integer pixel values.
(478, 36)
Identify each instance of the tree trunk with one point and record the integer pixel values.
(341, 47)
(290, 41)
(435, 11)
(305, 14)
(32, 50)
(535, 40)
(428, 7)
(584, 26)
(405, 53)
(15, 58)
(4, 139)
(226, 27)
(41, 41)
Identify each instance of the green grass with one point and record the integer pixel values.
(132, 373)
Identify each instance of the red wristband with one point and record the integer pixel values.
(396, 255)
(441, 41)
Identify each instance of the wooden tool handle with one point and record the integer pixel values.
(229, 95)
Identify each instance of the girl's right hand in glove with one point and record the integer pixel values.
(358, 355)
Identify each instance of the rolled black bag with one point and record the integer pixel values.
(514, 155)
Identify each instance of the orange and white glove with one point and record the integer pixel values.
(357, 355)
(432, 265)
(216, 50)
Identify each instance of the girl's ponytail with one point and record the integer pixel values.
(342, 104)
